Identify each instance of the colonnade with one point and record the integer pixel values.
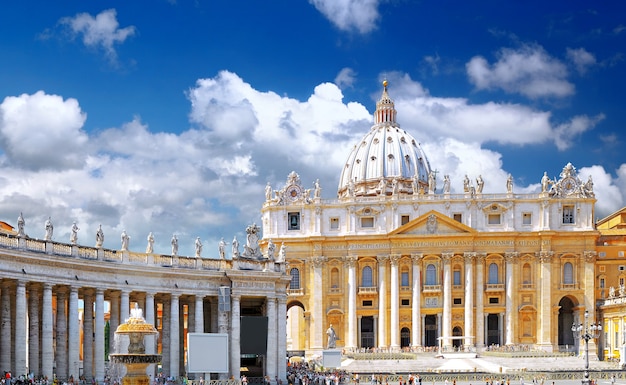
(42, 332)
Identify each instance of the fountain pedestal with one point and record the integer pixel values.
(136, 361)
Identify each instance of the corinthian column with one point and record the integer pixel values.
(394, 302)
(469, 298)
(382, 300)
(416, 301)
(480, 304)
(545, 308)
(510, 297)
(352, 285)
(447, 301)
(317, 313)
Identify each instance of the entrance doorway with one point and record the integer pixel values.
(367, 332)
(457, 343)
(493, 329)
(405, 337)
(430, 331)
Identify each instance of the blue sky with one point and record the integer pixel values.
(171, 116)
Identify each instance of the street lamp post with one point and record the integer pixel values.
(586, 331)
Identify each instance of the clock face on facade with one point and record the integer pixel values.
(568, 185)
(294, 192)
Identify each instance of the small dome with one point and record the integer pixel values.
(387, 160)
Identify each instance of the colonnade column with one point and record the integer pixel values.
(272, 345)
(124, 306)
(394, 303)
(33, 329)
(174, 336)
(114, 318)
(73, 340)
(447, 301)
(352, 288)
(47, 337)
(88, 335)
(150, 341)
(166, 320)
(545, 308)
(99, 337)
(480, 304)
(235, 336)
(416, 301)
(20, 328)
(5, 326)
(222, 327)
(382, 300)
(61, 335)
(317, 313)
(198, 326)
(469, 300)
(510, 307)
(282, 337)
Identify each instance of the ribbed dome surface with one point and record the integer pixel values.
(387, 153)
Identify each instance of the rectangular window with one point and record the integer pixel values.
(406, 302)
(367, 222)
(405, 278)
(458, 217)
(602, 283)
(334, 223)
(493, 300)
(527, 219)
(456, 278)
(294, 221)
(494, 219)
(568, 215)
(404, 220)
(367, 303)
(458, 301)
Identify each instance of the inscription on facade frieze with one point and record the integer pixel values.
(435, 244)
(252, 284)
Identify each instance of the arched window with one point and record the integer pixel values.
(431, 275)
(366, 277)
(334, 278)
(527, 277)
(295, 279)
(493, 274)
(568, 273)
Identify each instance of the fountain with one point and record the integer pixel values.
(136, 360)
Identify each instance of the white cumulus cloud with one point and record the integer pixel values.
(528, 70)
(101, 31)
(350, 15)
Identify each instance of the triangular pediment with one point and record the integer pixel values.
(433, 223)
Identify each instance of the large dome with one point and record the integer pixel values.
(388, 160)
